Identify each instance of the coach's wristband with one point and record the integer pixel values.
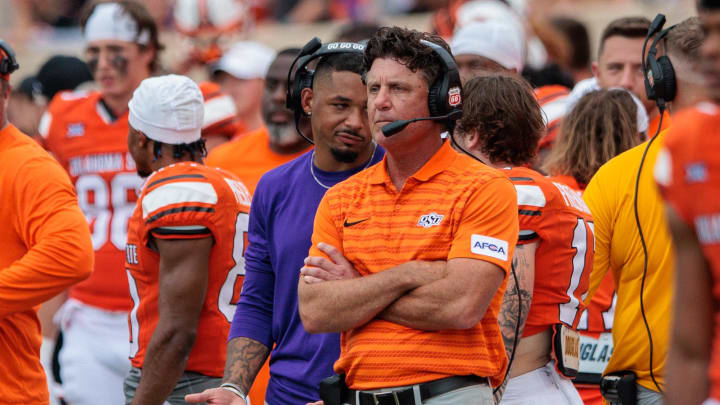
(235, 389)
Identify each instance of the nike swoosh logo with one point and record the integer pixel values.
(348, 224)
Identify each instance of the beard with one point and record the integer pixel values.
(344, 156)
(282, 134)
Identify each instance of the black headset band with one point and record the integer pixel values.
(312, 50)
(297, 74)
(447, 59)
(10, 57)
(658, 38)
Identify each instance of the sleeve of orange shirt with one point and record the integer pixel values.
(596, 199)
(324, 229)
(488, 227)
(51, 225)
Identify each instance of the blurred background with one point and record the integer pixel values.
(196, 32)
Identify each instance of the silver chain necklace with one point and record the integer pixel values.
(312, 172)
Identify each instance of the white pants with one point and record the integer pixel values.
(539, 387)
(94, 356)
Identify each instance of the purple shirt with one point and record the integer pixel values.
(281, 224)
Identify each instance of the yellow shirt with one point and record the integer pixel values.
(610, 197)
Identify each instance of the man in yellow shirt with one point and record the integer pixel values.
(618, 245)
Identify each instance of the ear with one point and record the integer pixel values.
(306, 99)
(595, 69)
(142, 139)
(472, 139)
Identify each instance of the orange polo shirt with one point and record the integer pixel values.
(453, 207)
(46, 248)
(249, 157)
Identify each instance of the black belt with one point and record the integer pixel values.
(405, 396)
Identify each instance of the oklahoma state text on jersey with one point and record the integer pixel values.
(688, 174)
(91, 145)
(189, 200)
(555, 216)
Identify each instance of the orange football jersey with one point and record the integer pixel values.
(598, 316)
(595, 326)
(91, 145)
(553, 102)
(689, 168)
(189, 200)
(555, 216)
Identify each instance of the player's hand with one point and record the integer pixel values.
(319, 269)
(215, 396)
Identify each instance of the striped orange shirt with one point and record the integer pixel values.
(453, 207)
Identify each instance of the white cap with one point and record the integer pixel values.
(492, 39)
(168, 109)
(484, 10)
(586, 86)
(246, 60)
(111, 21)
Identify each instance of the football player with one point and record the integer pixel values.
(185, 247)
(501, 126)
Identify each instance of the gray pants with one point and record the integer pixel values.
(189, 383)
(647, 397)
(480, 394)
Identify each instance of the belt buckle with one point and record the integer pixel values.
(380, 395)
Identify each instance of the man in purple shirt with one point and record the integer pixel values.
(281, 223)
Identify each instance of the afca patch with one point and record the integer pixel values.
(488, 246)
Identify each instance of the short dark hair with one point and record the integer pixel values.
(144, 21)
(577, 35)
(340, 62)
(193, 149)
(504, 112)
(628, 27)
(685, 39)
(404, 46)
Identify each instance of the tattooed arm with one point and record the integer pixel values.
(524, 265)
(245, 357)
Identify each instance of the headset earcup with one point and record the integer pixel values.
(669, 86)
(300, 82)
(434, 100)
(4, 66)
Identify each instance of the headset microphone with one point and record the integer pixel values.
(397, 126)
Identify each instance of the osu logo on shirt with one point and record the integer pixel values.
(431, 219)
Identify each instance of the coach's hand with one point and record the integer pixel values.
(318, 269)
(215, 396)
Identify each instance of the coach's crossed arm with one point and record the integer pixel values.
(347, 300)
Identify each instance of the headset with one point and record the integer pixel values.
(303, 77)
(659, 75)
(444, 95)
(8, 64)
(661, 86)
